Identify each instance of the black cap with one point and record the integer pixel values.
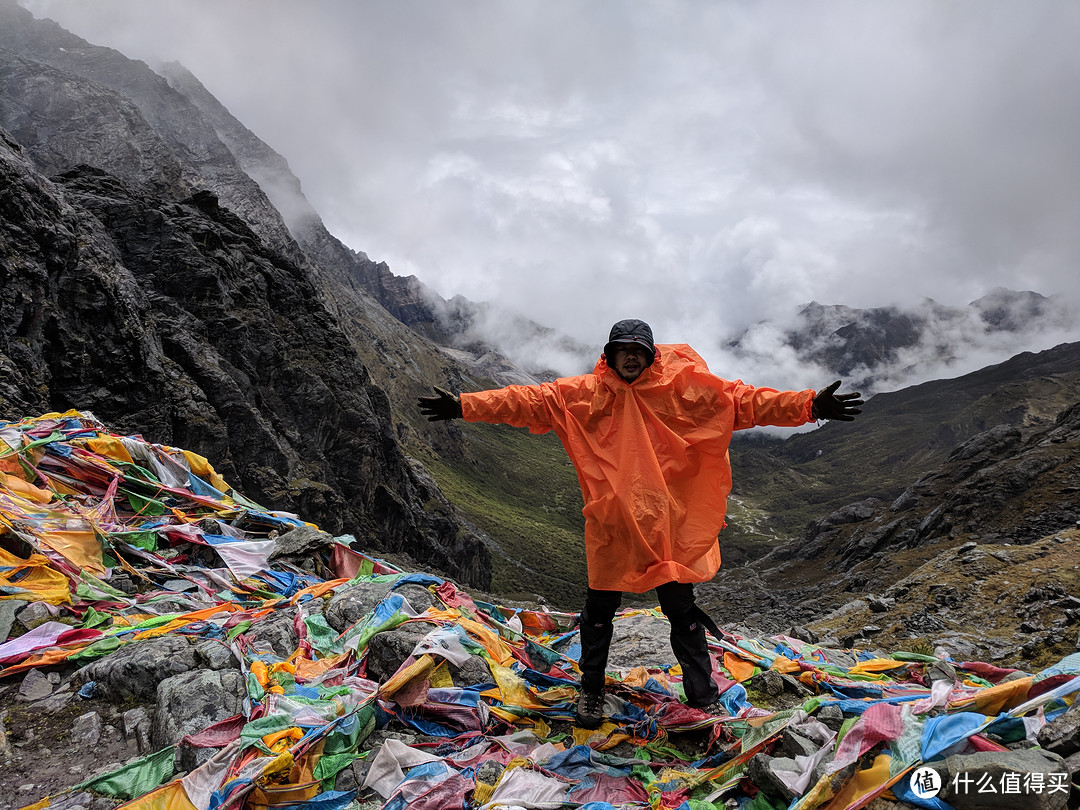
(631, 330)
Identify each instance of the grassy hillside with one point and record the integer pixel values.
(522, 491)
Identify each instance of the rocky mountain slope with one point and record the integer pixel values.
(976, 552)
(783, 485)
(465, 326)
(177, 321)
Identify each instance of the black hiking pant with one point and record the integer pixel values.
(687, 639)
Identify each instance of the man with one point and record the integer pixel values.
(648, 433)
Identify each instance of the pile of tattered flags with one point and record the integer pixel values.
(80, 506)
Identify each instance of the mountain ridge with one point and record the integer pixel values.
(113, 301)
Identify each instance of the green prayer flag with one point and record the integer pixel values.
(330, 765)
(92, 588)
(772, 726)
(135, 778)
(254, 688)
(322, 636)
(911, 656)
(95, 618)
(146, 540)
(98, 649)
(144, 506)
(254, 731)
(341, 740)
(845, 727)
(764, 802)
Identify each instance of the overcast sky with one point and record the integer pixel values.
(702, 165)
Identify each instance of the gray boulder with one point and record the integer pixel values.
(941, 670)
(275, 633)
(138, 726)
(301, 543)
(761, 770)
(86, 732)
(641, 640)
(831, 716)
(473, 672)
(768, 681)
(351, 604)
(1072, 762)
(136, 669)
(797, 687)
(352, 776)
(418, 596)
(880, 604)
(34, 614)
(186, 704)
(35, 686)
(8, 609)
(793, 744)
(1062, 734)
(216, 654)
(803, 634)
(388, 649)
(56, 702)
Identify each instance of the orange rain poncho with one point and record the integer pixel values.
(651, 457)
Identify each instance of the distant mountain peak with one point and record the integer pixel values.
(885, 347)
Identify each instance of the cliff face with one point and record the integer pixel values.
(70, 103)
(164, 290)
(175, 320)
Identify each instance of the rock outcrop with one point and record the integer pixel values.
(175, 319)
(1000, 486)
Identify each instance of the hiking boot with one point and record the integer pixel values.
(590, 709)
(716, 708)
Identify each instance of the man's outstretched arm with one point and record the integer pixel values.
(516, 405)
(441, 407)
(830, 405)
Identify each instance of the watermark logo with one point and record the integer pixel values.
(925, 782)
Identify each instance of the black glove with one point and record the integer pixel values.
(440, 408)
(828, 405)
